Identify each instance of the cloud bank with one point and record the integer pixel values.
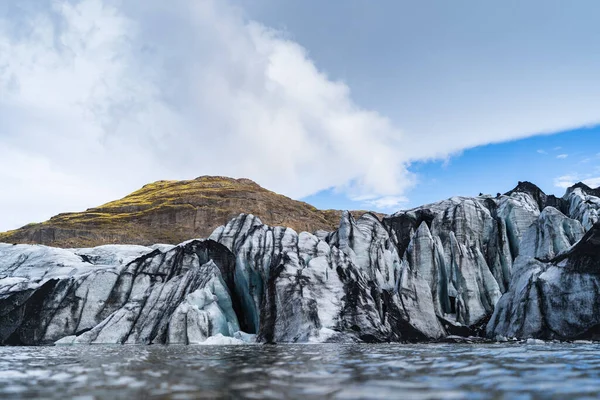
(98, 97)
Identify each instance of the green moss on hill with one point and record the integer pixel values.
(171, 212)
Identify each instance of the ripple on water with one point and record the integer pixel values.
(319, 371)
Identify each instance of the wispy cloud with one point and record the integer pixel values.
(541, 151)
(562, 156)
(593, 182)
(389, 203)
(566, 181)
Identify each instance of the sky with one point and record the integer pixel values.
(552, 162)
(344, 104)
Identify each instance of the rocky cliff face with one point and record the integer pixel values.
(171, 212)
(514, 265)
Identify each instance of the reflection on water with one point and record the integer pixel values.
(302, 371)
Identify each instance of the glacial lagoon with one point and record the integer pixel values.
(311, 371)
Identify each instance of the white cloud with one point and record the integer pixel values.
(562, 156)
(103, 97)
(542, 151)
(592, 182)
(388, 203)
(99, 97)
(566, 181)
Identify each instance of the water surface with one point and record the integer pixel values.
(423, 371)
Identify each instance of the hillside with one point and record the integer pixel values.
(172, 212)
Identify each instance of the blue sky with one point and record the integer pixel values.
(344, 103)
(550, 161)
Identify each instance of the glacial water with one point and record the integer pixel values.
(420, 371)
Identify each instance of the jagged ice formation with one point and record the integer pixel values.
(522, 264)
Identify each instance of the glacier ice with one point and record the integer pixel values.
(522, 265)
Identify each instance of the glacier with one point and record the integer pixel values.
(519, 265)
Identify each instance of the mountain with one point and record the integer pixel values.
(174, 211)
(505, 266)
